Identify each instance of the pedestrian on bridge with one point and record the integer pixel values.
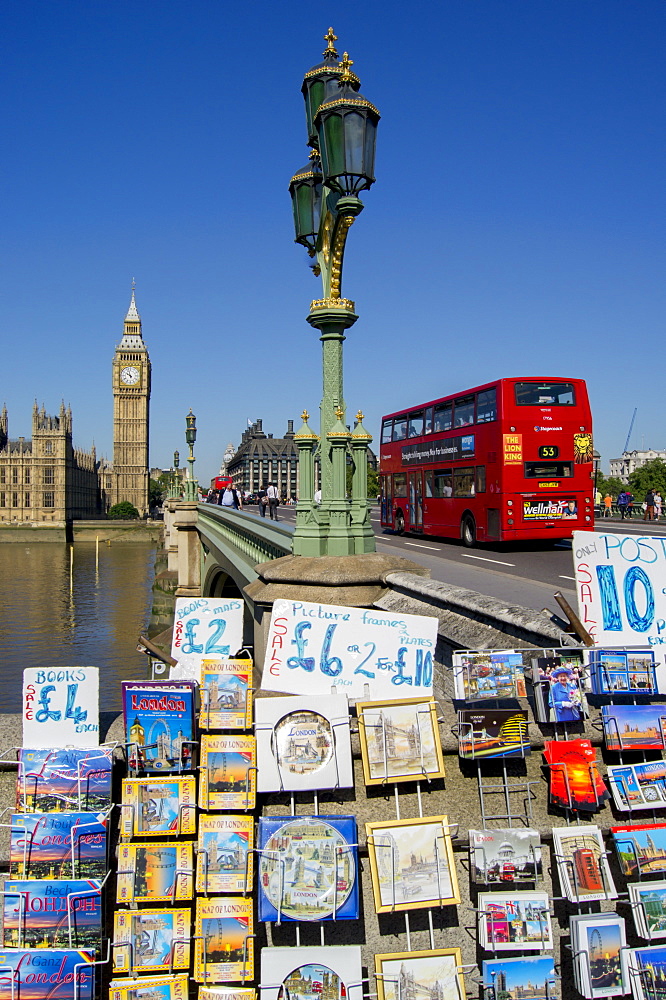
(608, 503)
(273, 501)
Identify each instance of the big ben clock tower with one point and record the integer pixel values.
(131, 400)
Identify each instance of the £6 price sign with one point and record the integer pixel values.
(205, 628)
(361, 652)
(621, 587)
(60, 707)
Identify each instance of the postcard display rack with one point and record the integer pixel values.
(53, 933)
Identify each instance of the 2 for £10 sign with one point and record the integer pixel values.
(361, 652)
(60, 707)
(621, 587)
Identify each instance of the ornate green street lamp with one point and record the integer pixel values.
(174, 492)
(342, 131)
(191, 485)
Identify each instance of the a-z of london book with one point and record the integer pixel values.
(159, 724)
(224, 947)
(154, 873)
(223, 861)
(226, 694)
(150, 988)
(50, 913)
(154, 807)
(492, 733)
(64, 779)
(155, 940)
(58, 845)
(228, 776)
(47, 974)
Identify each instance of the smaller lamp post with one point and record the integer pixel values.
(597, 459)
(191, 485)
(174, 491)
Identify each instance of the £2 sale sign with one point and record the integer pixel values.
(361, 652)
(60, 707)
(205, 628)
(621, 587)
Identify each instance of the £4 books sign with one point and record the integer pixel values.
(621, 587)
(60, 707)
(360, 652)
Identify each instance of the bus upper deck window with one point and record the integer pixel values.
(443, 415)
(400, 429)
(415, 425)
(464, 411)
(387, 430)
(486, 406)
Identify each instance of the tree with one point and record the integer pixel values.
(610, 484)
(157, 490)
(651, 476)
(123, 511)
(373, 481)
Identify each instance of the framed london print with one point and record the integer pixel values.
(428, 973)
(308, 868)
(303, 743)
(412, 865)
(399, 740)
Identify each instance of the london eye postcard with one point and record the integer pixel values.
(159, 725)
(64, 779)
(153, 807)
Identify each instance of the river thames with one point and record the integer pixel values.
(94, 620)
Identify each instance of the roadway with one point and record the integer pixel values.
(527, 574)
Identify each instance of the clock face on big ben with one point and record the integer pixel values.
(130, 375)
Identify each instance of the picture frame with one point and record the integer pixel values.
(303, 743)
(400, 740)
(428, 880)
(436, 973)
(289, 971)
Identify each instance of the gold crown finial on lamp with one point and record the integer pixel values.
(305, 416)
(339, 412)
(359, 416)
(330, 38)
(346, 63)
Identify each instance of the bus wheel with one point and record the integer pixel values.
(399, 523)
(468, 531)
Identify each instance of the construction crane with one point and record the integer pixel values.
(631, 427)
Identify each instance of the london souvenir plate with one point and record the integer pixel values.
(307, 869)
(303, 742)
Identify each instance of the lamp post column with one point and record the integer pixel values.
(361, 527)
(307, 540)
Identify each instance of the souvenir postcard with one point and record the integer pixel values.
(156, 872)
(648, 905)
(308, 868)
(634, 727)
(229, 993)
(575, 781)
(153, 807)
(429, 974)
(227, 777)
(47, 974)
(641, 848)
(598, 941)
(559, 694)
(303, 743)
(504, 856)
(159, 724)
(154, 939)
(650, 972)
(150, 988)
(515, 922)
(226, 694)
(64, 778)
(399, 740)
(52, 913)
(58, 845)
(623, 671)
(638, 786)
(332, 973)
(224, 861)
(480, 676)
(582, 863)
(490, 733)
(224, 942)
(412, 865)
(517, 978)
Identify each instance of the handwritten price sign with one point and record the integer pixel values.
(60, 707)
(205, 628)
(621, 587)
(360, 652)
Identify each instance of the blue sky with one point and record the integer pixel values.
(516, 226)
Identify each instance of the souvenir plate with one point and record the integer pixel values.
(303, 742)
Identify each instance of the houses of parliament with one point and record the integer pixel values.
(46, 481)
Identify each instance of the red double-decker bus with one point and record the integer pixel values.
(505, 461)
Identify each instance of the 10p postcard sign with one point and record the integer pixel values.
(205, 628)
(361, 652)
(621, 587)
(60, 707)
